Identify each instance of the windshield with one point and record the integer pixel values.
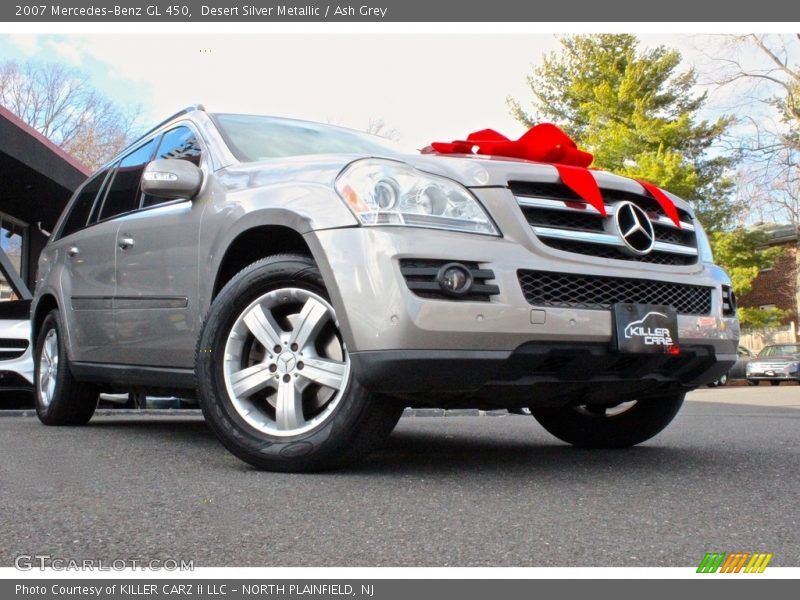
(253, 137)
(782, 350)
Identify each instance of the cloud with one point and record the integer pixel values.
(26, 44)
(69, 51)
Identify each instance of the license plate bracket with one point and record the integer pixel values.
(645, 329)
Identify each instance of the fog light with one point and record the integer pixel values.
(454, 279)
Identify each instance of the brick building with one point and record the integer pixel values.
(777, 287)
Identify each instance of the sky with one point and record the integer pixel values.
(429, 87)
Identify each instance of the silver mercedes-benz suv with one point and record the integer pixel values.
(306, 283)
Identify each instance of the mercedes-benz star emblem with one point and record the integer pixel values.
(635, 228)
(286, 362)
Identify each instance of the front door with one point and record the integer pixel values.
(157, 286)
(157, 272)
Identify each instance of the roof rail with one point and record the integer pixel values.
(185, 111)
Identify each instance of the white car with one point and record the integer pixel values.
(16, 362)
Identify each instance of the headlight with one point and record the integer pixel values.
(703, 246)
(793, 367)
(385, 192)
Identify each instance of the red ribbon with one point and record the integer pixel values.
(663, 200)
(547, 143)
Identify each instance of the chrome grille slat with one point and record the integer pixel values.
(552, 204)
(607, 239)
(563, 220)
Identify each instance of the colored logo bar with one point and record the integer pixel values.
(734, 562)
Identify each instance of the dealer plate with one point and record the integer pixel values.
(645, 328)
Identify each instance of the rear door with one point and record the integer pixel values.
(157, 270)
(88, 280)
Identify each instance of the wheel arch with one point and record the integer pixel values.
(255, 243)
(44, 305)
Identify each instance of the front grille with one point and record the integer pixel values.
(11, 348)
(562, 290)
(767, 366)
(562, 220)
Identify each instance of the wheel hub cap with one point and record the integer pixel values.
(286, 362)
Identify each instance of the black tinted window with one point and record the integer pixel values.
(179, 143)
(79, 213)
(123, 195)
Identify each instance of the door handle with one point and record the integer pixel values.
(126, 242)
(73, 251)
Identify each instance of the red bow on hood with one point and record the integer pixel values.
(547, 143)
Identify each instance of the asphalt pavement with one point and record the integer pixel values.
(446, 491)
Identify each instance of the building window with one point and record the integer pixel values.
(13, 240)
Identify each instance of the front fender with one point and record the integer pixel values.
(303, 208)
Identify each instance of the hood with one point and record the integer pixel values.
(490, 171)
(469, 170)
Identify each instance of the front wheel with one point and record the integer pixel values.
(774, 382)
(274, 374)
(602, 426)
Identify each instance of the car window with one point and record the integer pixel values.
(781, 350)
(179, 143)
(123, 194)
(80, 209)
(252, 137)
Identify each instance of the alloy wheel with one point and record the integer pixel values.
(48, 368)
(285, 365)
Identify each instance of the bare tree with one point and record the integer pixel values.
(767, 67)
(377, 126)
(62, 105)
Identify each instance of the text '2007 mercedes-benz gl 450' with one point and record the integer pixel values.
(306, 283)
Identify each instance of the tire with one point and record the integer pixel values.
(752, 382)
(259, 418)
(774, 382)
(60, 399)
(722, 381)
(594, 427)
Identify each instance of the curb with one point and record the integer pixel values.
(195, 412)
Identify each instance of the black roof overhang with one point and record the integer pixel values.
(36, 181)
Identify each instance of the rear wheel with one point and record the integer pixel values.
(752, 381)
(774, 382)
(275, 382)
(722, 380)
(60, 399)
(603, 426)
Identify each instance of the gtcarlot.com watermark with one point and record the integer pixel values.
(45, 562)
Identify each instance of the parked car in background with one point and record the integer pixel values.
(775, 363)
(737, 370)
(16, 362)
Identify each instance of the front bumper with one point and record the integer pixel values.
(16, 355)
(402, 342)
(773, 375)
(536, 374)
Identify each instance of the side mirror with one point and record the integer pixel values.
(171, 178)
